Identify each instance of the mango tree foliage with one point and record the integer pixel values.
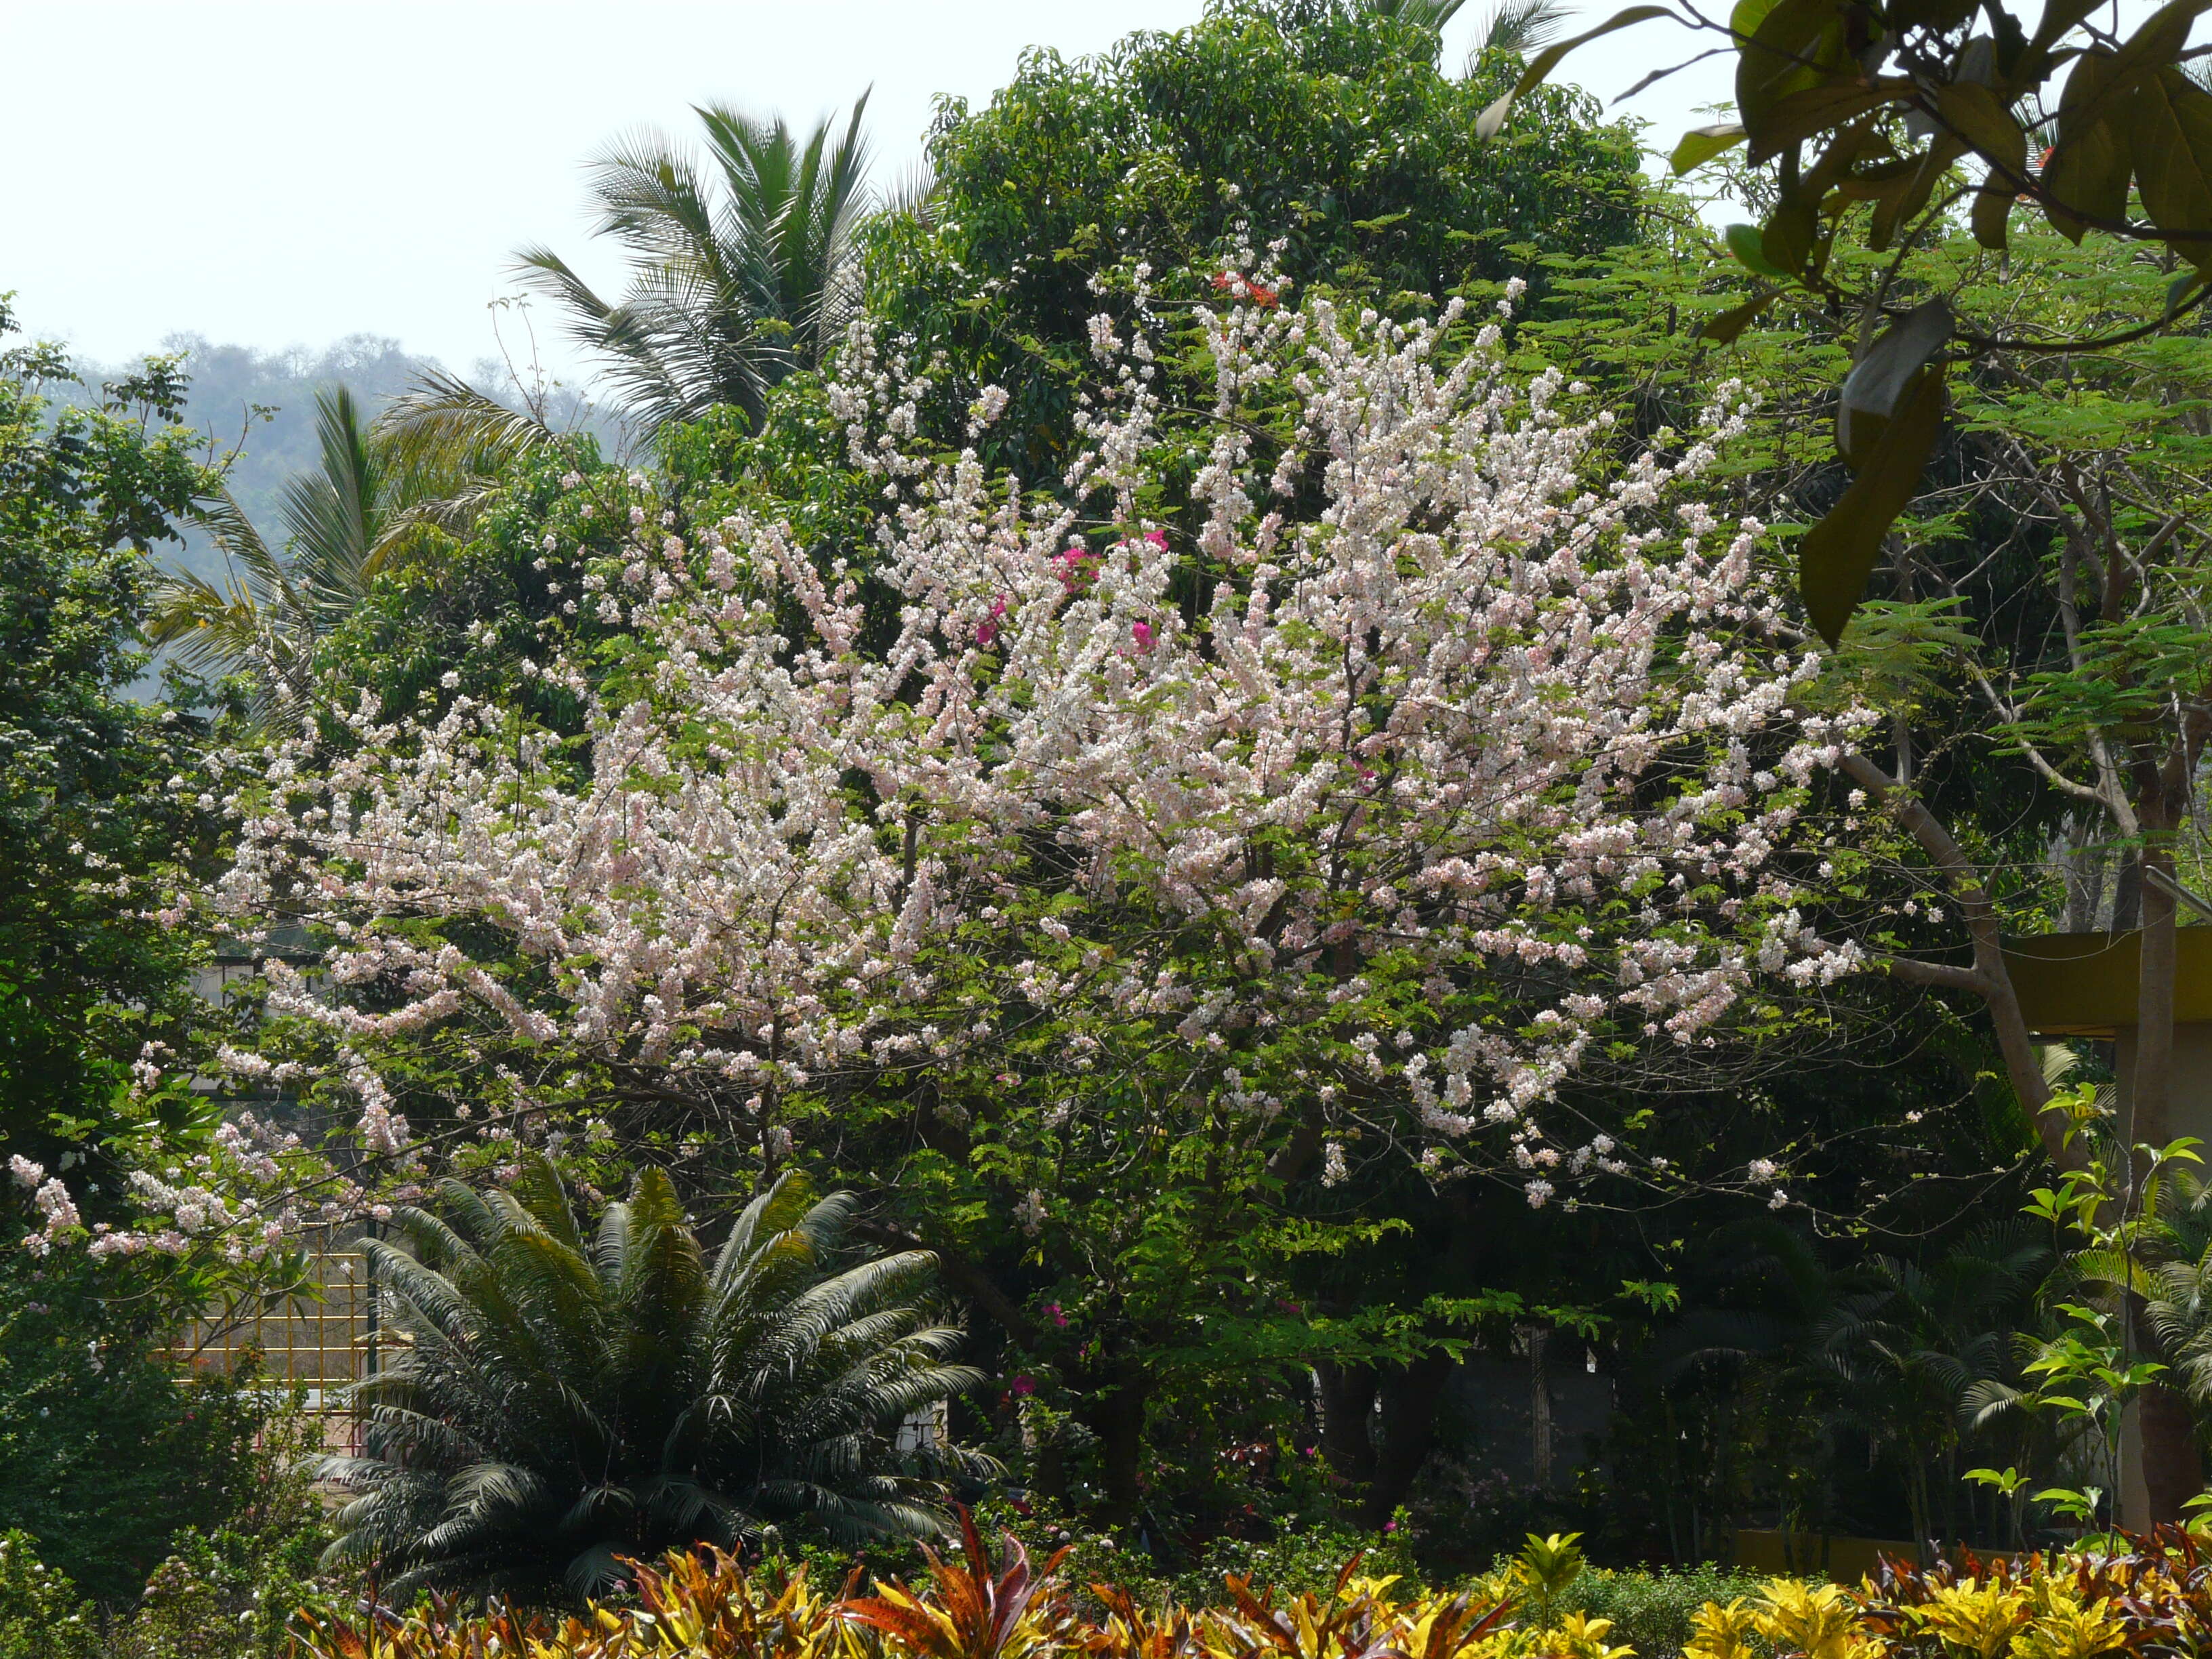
(1330, 126)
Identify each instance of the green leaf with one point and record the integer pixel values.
(1723, 329)
(1744, 242)
(2091, 163)
(1884, 374)
(1975, 113)
(2058, 17)
(2173, 144)
(1786, 238)
(1487, 123)
(2183, 288)
(1798, 115)
(1839, 554)
(1787, 53)
(1910, 194)
(1700, 144)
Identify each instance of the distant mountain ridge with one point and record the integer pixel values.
(228, 382)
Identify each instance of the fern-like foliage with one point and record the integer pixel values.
(565, 1400)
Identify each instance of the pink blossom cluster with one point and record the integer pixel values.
(1444, 673)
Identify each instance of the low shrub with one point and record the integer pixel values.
(1654, 1613)
(2142, 1599)
(41, 1615)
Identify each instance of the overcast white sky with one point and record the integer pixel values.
(285, 175)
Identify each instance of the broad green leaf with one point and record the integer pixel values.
(1787, 53)
(1744, 242)
(2091, 163)
(1884, 374)
(1724, 328)
(1839, 554)
(2172, 143)
(1487, 123)
(1975, 113)
(2184, 288)
(1894, 208)
(1786, 238)
(2153, 47)
(1745, 17)
(2058, 17)
(1700, 144)
(1798, 115)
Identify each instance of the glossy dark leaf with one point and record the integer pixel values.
(2091, 163)
(2184, 288)
(2151, 48)
(1885, 374)
(1785, 54)
(1973, 112)
(1895, 208)
(1787, 237)
(2059, 17)
(2171, 137)
(1797, 116)
(1839, 554)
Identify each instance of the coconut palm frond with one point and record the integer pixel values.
(1519, 28)
(1422, 14)
(742, 269)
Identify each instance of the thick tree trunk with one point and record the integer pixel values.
(2171, 1473)
(1409, 1395)
(1116, 1413)
(1345, 1395)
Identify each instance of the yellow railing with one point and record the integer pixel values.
(321, 1338)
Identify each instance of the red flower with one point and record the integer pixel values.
(988, 630)
(1259, 293)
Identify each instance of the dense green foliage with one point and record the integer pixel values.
(1215, 1361)
(565, 1399)
(92, 829)
(1309, 123)
(106, 1453)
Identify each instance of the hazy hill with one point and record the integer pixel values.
(262, 405)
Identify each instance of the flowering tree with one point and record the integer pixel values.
(1324, 780)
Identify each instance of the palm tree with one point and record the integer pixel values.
(342, 523)
(739, 273)
(562, 1401)
(1514, 25)
(1919, 1346)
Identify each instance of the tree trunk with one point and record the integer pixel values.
(1409, 1395)
(1346, 1397)
(2170, 1469)
(2172, 1474)
(1989, 978)
(1116, 1413)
